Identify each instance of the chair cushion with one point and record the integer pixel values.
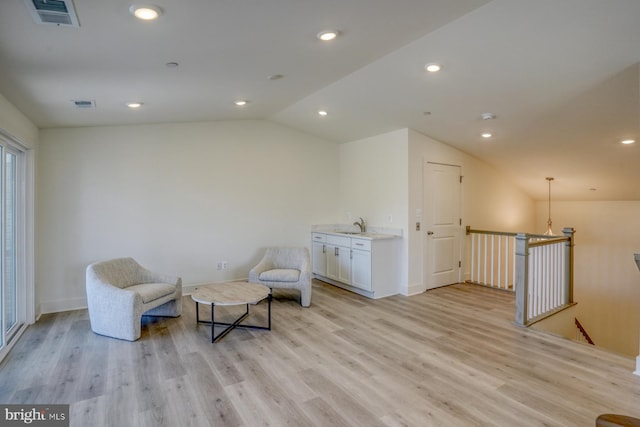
(152, 291)
(280, 275)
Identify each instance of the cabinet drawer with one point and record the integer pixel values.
(363, 244)
(318, 237)
(338, 240)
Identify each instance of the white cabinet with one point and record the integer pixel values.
(338, 256)
(361, 263)
(319, 254)
(367, 266)
(361, 269)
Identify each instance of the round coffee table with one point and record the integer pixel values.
(228, 294)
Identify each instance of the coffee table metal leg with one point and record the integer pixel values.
(229, 326)
(269, 310)
(235, 324)
(213, 323)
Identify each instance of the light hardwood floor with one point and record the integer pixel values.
(448, 357)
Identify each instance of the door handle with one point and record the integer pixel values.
(429, 233)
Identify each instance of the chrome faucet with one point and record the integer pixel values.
(361, 224)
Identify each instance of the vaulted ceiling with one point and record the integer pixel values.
(561, 76)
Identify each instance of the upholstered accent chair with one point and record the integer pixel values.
(120, 291)
(287, 268)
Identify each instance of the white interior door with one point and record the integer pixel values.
(442, 224)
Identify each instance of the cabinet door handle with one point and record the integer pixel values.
(336, 252)
(359, 244)
(430, 233)
(324, 249)
(351, 254)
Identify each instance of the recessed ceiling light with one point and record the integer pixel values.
(433, 67)
(488, 116)
(241, 103)
(326, 36)
(322, 113)
(145, 12)
(486, 135)
(134, 104)
(627, 141)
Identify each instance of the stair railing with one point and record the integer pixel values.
(544, 275)
(538, 268)
(492, 259)
(582, 335)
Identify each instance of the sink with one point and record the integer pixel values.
(355, 233)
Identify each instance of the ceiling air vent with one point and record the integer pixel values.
(56, 12)
(83, 103)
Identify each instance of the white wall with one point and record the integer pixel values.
(606, 279)
(17, 124)
(382, 176)
(374, 179)
(374, 184)
(489, 200)
(180, 197)
(177, 197)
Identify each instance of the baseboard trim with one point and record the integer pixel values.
(57, 306)
(414, 289)
(79, 303)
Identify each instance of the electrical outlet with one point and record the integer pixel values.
(390, 218)
(225, 265)
(219, 266)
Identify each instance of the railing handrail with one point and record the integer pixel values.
(549, 241)
(491, 232)
(544, 238)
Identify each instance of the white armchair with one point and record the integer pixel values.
(120, 291)
(288, 268)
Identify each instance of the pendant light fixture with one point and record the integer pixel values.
(549, 232)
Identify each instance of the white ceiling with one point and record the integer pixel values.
(562, 76)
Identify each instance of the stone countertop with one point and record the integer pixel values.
(365, 235)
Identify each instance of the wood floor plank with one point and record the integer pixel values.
(448, 357)
(210, 393)
(277, 406)
(90, 412)
(184, 406)
(343, 402)
(321, 411)
(70, 363)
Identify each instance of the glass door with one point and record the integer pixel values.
(9, 242)
(12, 293)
